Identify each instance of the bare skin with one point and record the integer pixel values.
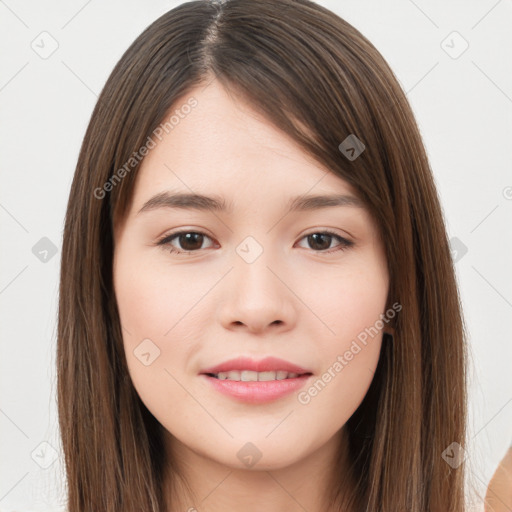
(499, 490)
(300, 300)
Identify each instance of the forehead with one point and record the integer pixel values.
(223, 145)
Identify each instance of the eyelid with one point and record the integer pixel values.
(179, 231)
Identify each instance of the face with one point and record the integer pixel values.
(258, 279)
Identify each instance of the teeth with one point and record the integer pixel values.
(250, 376)
(247, 376)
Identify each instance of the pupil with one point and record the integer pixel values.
(189, 239)
(315, 237)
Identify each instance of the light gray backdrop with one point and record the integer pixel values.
(452, 58)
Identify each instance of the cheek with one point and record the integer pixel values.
(350, 302)
(334, 395)
(153, 316)
(354, 311)
(154, 301)
(349, 360)
(145, 314)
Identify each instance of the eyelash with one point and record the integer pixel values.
(166, 240)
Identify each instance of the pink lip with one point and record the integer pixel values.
(257, 392)
(268, 364)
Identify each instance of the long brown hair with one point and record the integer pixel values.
(319, 80)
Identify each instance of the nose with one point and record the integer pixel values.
(256, 297)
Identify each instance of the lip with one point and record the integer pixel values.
(268, 364)
(257, 392)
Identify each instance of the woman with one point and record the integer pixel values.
(261, 368)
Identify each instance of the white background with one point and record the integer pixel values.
(463, 107)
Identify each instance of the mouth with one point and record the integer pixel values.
(256, 381)
(252, 376)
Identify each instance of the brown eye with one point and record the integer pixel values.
(189, 241)
(321, 241)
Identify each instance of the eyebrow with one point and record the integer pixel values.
(215, 203)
